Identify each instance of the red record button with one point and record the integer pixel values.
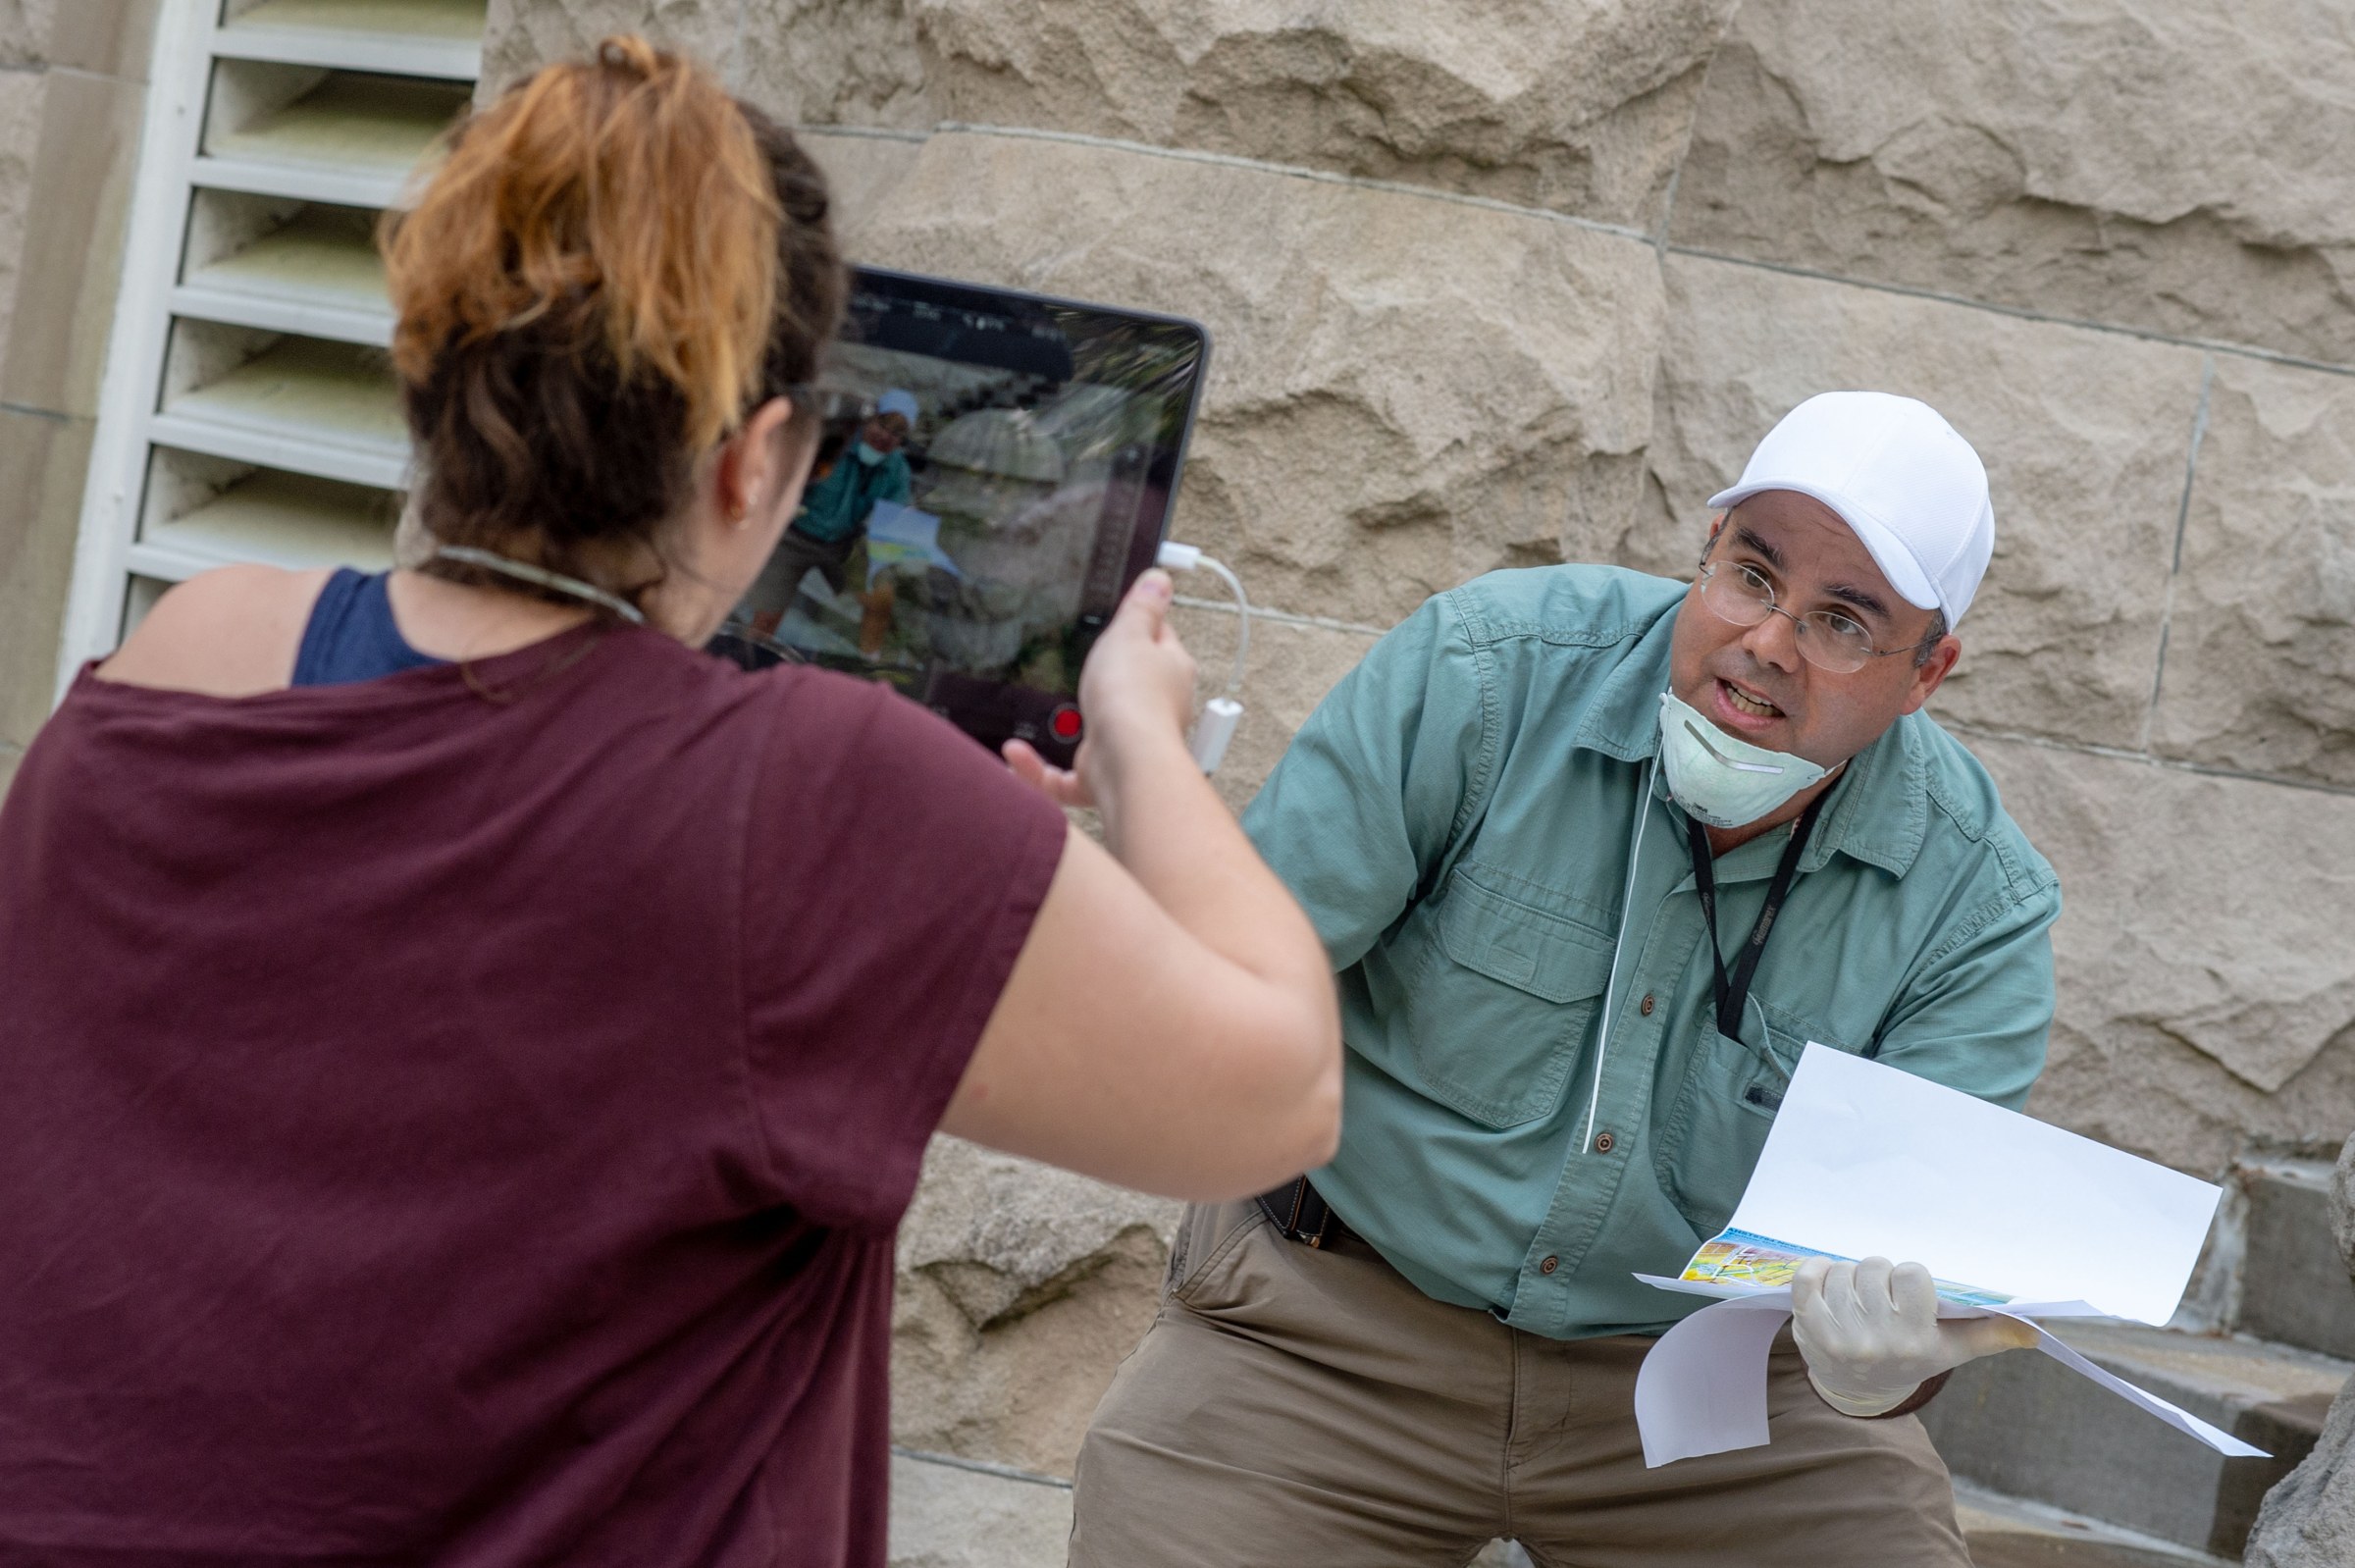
(1063, 722)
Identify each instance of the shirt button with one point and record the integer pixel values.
(1645, 1008)
(1550, 1263)
(1603, 1142)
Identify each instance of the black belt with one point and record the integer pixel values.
(1299, 1213)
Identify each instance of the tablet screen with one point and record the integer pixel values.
(995, 470)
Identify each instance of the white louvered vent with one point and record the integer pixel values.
(248, 412)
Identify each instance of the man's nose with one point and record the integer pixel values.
(1774, 640)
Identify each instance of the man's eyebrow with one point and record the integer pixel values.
(1871, 604)
(1759, 547)
(1862, 598)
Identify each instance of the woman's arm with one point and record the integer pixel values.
(1170, 1023)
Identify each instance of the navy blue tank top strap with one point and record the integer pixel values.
(353, 636)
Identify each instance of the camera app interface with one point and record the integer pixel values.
(993, 472)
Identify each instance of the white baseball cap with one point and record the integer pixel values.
(901, 402)
(1900, 476)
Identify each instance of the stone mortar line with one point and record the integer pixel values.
(87, 75)
(1650, 242)
(1228, 160)
(2122, 753)
(2213, 346)
(981, 1467)
(1323, 623)
(874, 133)
(2175, 568)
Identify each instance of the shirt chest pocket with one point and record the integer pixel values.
(1502, 1003)
(1717, 1127)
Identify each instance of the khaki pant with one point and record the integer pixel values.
(1303, 1408)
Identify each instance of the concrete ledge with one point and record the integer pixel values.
(954, 1513)
(2026, 1425)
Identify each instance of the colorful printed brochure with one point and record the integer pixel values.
(1738, 1258)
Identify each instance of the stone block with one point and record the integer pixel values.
(1579, 106)
(2308, 1520)
(1405, 390)
(107, 37)
(943, 1516)
(2178, 168)
(2261, 646)
(2207, 988)
(2009, 1532)
(863, 174)
(2084, 434)
(23, 31)
(520, 36)
(44, 459)
(1020, 1288)
(71, 260)
(1290, 668)
(2342, 1205)
(23, 95)
(2024, 1425)
(838, 61)
(2294, 1286)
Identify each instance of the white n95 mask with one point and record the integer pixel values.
(1721, 779)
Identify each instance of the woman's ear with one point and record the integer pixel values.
(753, 462)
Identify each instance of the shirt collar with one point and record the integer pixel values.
(1879, 811)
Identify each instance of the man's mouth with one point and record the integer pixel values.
(1745, 702)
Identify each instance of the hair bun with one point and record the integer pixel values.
(626, 51)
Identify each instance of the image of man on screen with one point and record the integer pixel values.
(835, 511)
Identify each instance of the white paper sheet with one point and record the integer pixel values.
(1703, 1389)
(902, 536)
(1864, 1161)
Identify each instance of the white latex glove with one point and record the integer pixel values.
(1870, 1332)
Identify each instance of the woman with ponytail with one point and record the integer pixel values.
(466, 1053)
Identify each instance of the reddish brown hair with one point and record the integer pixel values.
(614, 261)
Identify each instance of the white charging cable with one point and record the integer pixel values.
(1222, 714)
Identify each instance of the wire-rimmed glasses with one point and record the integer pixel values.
(1834, 643)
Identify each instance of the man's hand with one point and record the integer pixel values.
(1870, 1333)
(1136, 693)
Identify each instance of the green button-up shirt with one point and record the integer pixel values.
(1457, 816)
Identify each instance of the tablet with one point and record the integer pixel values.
(995, 470)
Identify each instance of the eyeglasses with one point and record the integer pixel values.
(1828, 639)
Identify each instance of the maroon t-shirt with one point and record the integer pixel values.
(462, 1117)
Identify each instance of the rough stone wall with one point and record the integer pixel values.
(72, 96)
(2308, 1520)
(1510, 282)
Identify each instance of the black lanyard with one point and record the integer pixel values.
(1733, 990)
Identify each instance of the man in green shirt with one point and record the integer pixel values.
(1596, 855)
(834, 511)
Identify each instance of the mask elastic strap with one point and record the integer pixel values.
(1610, 987)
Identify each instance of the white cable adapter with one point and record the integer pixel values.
(1222, 714)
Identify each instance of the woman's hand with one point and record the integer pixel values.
(1136, 694)
(1172, 1023)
